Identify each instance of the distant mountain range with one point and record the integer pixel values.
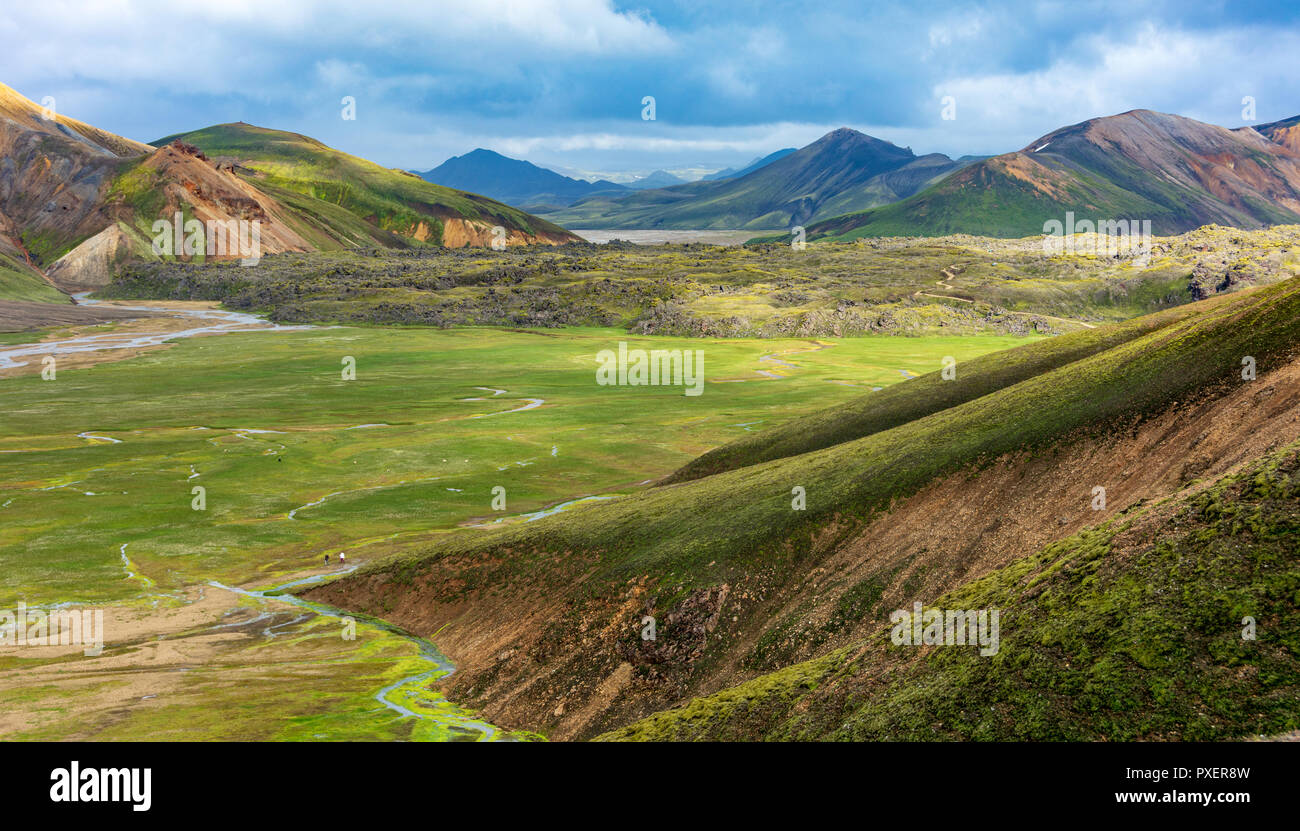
(529, 186)
(843, 171)
(1175, 171)
(735, 173)
(76, 201)
(514, 181)
(657, 179)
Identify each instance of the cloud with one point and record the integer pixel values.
(230, 46)
(1202, 75)
(565, 78)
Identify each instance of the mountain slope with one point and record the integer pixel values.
(842, 170)
(1177, 172)
(303, 173)
(762, 161)
(53, 173)
(1129, 631)
(77, 201)
(920, 397)
(1285, 132)
(513, 181)
(742, 580)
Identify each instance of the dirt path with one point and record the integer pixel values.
(950, 276)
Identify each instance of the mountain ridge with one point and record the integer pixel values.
(513, 181)
(1141, 164)
(842, 169)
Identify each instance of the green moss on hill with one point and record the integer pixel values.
(1130, 631)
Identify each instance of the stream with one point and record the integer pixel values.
(409, 696)
(206, 322)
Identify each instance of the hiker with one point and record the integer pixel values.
(342, 557)
(327, 559)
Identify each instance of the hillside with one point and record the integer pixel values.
(1285, 132)
(377, 203)
(843, 170)
(1177, 172)
(53, 173)
(762, 161)
(77, 202)
(513, 181)
(1132, 630)
(543, 617)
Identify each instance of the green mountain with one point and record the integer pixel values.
(350, 201)
(1141, 165)
(843, 170)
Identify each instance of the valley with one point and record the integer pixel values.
(296, 463)
(509, 405)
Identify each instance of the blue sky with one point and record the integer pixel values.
(560, 82)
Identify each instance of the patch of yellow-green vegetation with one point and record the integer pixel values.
(16, 338)
(137, 187)
(1188, 629)
(306, 683)
(18, 281)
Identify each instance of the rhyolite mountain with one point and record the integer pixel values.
(843, 171)
(1285, 132)
(1177, 172)
(77, 201)
(514, 181)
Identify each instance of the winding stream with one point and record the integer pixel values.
(410, 697)
(206, 322)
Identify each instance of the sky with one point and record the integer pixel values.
(562, 82)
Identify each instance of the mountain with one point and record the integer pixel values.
(734, 173)
(53, 174)
(1066, 667)
(378, 204)
(1285, 132)
(658, 179)
(1175, 171)
(513, 181)
(76, 201)
(843, 170)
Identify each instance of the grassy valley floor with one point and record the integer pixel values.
(98, 470)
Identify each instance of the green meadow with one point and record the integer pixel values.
(296, 462)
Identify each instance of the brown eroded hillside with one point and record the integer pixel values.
(77, 201)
